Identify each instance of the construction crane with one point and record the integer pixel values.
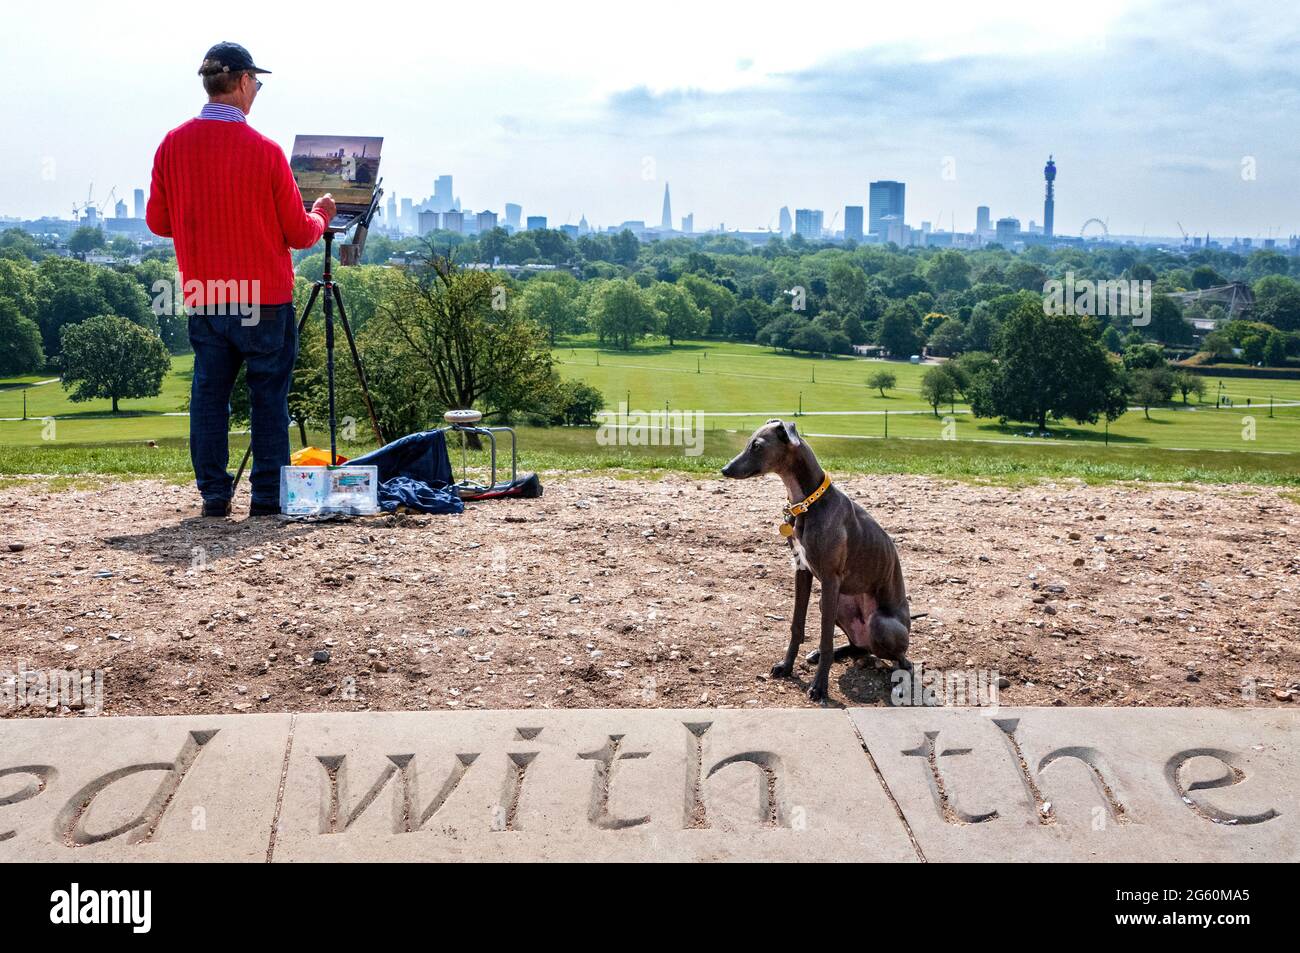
(1186, 240)
(90, 205)
(79, 210)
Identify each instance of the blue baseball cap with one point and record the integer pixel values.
(227, 57)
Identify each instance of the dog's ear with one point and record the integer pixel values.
(791, 435)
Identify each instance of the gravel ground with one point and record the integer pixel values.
(644, 593)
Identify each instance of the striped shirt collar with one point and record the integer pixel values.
(221, 112)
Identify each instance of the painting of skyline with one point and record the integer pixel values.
(345, 166)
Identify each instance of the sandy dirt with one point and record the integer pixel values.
(636, 593)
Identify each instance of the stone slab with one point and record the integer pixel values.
(585, 785)
(617, 785)
(1092, 784)
(140, 789)
(643, 784)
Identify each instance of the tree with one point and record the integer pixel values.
(17, 245)
(575, 404)
(622, 314)
(811, 338)
(898, 330)
(678, 315)
(624, 248)
(1188, 382)
(159, 281)
(747, 318)
(122, 246)
(948, 338)
(949, 271)
(981, 330)
(854, 330)
(882, 381)
(1277, 302)
(1266, 262)
(1144, 356)
(1167, 322)
(1275, 349)
(1049, 365)
(779, 332)
(107, 356)
(551, 305)
(479, 356)
(1026, 276)
(405, 399)
(1112, 340)
(846, 284)
(70, 291)
(86, 239)
(1151, 385)
(711, 297)
(1203, 276)
(938, 387)
(20, 341)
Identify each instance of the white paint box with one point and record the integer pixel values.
(311, 491)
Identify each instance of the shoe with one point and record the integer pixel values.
(264, 509)
(216, 509)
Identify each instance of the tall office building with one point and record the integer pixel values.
(886, 198)
(391, 213)
(666, 221)
(486, 221)
(853, 223)
(1008, 230)
(139, 203)
(688, 224)
(453, 221)
(785, 225)
(893, 230)
(983, 224)
(1049, 203)
(119, 210)
(808, 222)
(443, 199)
(536, 222)
(428, 222)
(513, 213)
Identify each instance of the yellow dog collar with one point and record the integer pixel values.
(791, 510)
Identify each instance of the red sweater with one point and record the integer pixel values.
(225, 193)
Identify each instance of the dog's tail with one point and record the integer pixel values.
(920, 615)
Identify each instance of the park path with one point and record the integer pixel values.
(901, 784)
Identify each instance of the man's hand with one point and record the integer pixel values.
(325, 205)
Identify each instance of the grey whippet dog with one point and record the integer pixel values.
(835, 540)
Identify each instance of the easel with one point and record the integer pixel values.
(348, 255)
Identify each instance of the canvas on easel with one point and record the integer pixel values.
(347, 167)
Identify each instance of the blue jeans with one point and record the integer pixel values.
(267, 342)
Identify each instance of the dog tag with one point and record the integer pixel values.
(786, 530)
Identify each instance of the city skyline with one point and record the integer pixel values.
(1172, 130)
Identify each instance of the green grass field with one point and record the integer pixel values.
(758, 384)
(737, 387)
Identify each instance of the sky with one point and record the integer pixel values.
(1157, 113)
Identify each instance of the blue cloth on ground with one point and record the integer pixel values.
(414, 471)
(403, 491)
